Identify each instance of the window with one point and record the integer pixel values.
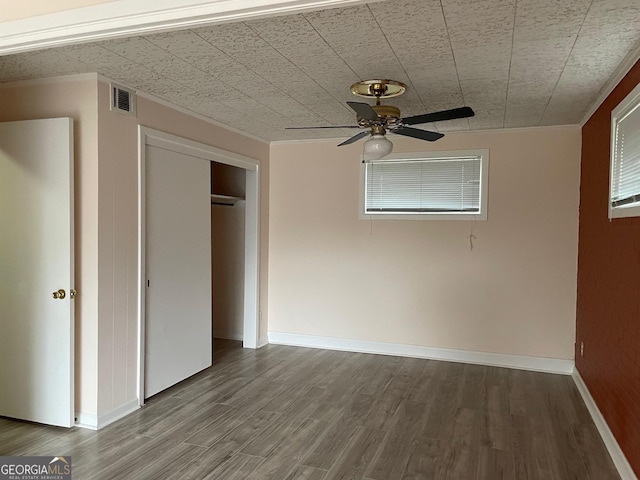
(435, 185)
(624, 190)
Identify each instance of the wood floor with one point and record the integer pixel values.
(287, 413)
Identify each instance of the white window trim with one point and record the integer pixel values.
(623, 108)
(484, 188)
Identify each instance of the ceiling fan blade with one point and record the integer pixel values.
(364, 110)
(416, 133)
(330, 126)
(462, 112)
(355, 138)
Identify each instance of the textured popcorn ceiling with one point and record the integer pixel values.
(517, 63)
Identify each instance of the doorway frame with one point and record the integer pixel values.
(167, 141)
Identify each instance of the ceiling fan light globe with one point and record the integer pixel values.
(376, 147)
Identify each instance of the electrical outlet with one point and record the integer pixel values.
(582, 349)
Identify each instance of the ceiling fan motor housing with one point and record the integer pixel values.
(386, 111)
(388, 116)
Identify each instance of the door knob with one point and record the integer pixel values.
(60, 294)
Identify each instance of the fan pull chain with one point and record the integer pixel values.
(471, 235)
(370, 217)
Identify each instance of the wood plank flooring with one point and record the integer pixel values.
(288, 413)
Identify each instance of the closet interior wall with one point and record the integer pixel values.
(227, 251)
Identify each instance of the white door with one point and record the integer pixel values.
(178, 268)
(36, 255)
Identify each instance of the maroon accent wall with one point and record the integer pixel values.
(608, 306)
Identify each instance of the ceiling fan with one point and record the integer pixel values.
(379, 119)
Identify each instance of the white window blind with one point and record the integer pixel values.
(424, 185)
(625, 173)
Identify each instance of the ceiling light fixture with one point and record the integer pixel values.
(376, 147)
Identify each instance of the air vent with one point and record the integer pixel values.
(123, 100)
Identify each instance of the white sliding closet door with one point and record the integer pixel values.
(178, 268)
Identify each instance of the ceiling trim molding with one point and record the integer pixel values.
(310, 140)
(506, 130)
(188, 112)
(76, 77)
(134, 17)
(629, 61)
(79, 77)
(568, 126)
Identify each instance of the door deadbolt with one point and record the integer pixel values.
(60, 294)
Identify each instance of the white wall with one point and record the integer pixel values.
(418, 282)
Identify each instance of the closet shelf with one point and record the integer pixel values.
(217, 199)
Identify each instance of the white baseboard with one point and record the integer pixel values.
(618, 457)
(86, 420)
(95, 422)
(262, 341)
(538, 364)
